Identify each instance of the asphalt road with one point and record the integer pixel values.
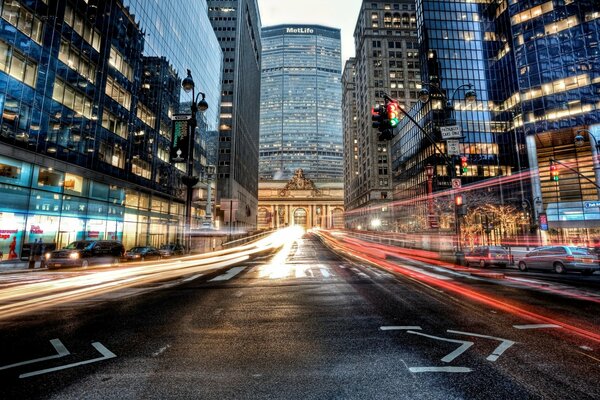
(312, 325)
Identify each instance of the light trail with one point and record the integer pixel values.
(364, 253)
(21, 298)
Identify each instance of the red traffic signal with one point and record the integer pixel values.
(393, 113)
(464, 165)
(554, 173)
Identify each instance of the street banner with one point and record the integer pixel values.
(543, 221)
(180, 138)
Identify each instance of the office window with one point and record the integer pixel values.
(24, 20)
(69, 97)
(17, 65)
(77, 62)
(87, 32)
(140, 168)
(114, 124)
(117, 61)
(118, 93)
(145, 115)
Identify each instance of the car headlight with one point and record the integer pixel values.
(47, 256)
(74, 256)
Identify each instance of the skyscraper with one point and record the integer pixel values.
(237, 26)
(85, 119)
(300, 115)
(350, 135)
(387, 62)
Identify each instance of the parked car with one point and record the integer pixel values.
(170, 250)
(485, 256)
(560, 259)
(83, 253)
(143, 253)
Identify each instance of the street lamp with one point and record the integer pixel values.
(470, 95)
(580, 139)
(190, 180)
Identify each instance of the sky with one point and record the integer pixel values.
(340, 14)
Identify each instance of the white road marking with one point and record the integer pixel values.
(230, 274)
(160, 351)
(440, 369)
(325, 273)
(431, 274)
(586, 348)
(465, 345)
(191, 278)
(106, 354)
(498, 351)
(536, 326)
(400, 328)
(61, 351)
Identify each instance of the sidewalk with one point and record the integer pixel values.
(10, 266)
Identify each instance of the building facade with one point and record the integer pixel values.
(301, 202)
(301, 120)
(534, 68)
(237, 26)
(350, 135)
(85, 127)
(387, 62)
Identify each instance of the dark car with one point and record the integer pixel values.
(170, 250)
(143, 253)
(83, 253)
(485, 256)
(560, 259)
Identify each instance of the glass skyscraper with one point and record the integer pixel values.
(85, 126)
(300, 114)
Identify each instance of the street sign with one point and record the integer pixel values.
(456, 183)
(591, 204)
(452, 147)
(450, 132)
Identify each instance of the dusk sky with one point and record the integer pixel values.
(333, 13)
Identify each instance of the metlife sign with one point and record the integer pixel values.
(306, 31)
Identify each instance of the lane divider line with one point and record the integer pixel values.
(536, 326)
(400, 328)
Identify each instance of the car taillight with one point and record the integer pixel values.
(570, 258)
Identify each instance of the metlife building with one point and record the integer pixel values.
(300, 120)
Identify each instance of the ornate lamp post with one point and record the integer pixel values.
(430, 214)
(190, 180)
(210, 173)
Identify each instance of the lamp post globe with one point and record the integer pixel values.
(471, 96)
(202, 104)
(579, 140)
(423, 95)
(188, 83)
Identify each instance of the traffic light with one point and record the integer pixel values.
(464, 165)
(554, 172)
(379, 116)
(393, 112)
(458, 200)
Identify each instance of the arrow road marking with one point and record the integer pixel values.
(61, 351)
(465, 345)
(536, 326)
(106, 354)
(439, 369)
(498, 351)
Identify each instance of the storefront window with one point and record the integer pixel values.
(14, 172)
(14, 198)
(116, 195)
(98, 191)
(48, 179)
(45, 202)
(11, 234)
(131, 199)
(74, 184)
(144, 201)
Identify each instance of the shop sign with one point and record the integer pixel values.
(592, 204)
(93, 234)
(6, 233)
(543, 218)
(36, 230)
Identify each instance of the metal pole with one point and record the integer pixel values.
(230, 217)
